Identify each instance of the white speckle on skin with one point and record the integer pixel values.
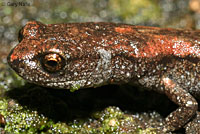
(97, 27)
(103, 69)
(31, 64)
(128, 74)
(189, 103)
(55, 50)
(75, 73)
(134, 45)
(32, 32)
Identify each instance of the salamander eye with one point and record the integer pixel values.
(20, 34)
(52, 62)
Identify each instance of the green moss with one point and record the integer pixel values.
(147, 131)
(21, 120)
(110, 120)
(75, 87)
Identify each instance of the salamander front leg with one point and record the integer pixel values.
(186, 102)
(193, 127)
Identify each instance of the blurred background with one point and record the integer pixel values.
(161, 13)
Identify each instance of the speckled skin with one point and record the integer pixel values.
(95, 54)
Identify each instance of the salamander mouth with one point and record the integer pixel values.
(62, 84)
(14, 65)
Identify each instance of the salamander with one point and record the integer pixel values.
(91, 54)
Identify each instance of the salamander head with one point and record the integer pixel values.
(48, 56)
